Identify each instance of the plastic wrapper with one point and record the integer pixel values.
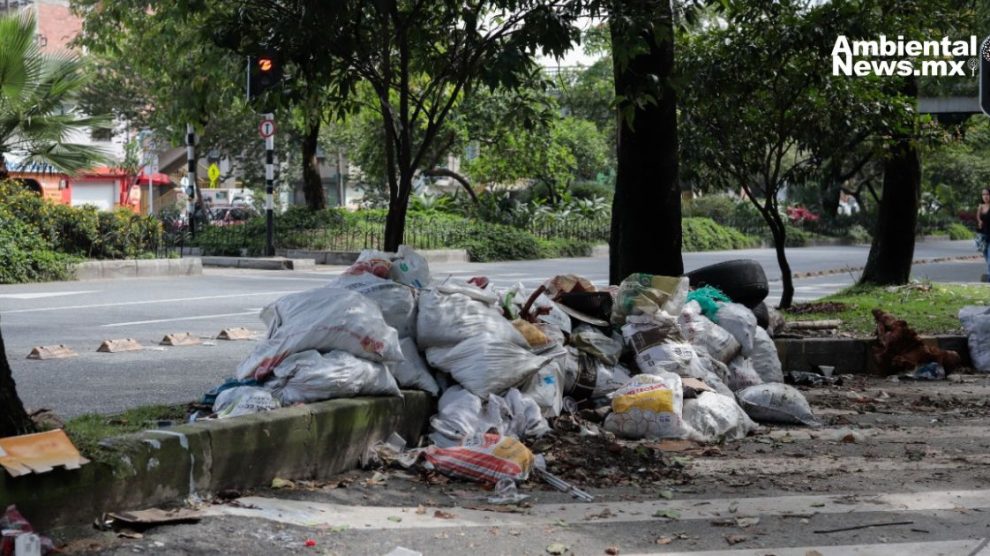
(646, 294)
(648, 406)
(593, 342)
(659, 347)
(484, 458)
(311, 377)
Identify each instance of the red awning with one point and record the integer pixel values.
(157, 178)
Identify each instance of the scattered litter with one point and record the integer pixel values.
(279, 483)
(865, 526)
(403, 551)
(310, 543)
(145, 519)
(485, 458)
(928, 371)
(563, 486)
(506, 493)
(39, 453)
(19, 537)
(244, 400)
(902, 350)
(805, 378)
(557, 548)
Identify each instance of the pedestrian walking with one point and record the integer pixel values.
(983, 226)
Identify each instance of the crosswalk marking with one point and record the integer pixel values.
(969, 547)
(42, 295)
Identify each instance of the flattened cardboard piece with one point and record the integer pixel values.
(39, 453)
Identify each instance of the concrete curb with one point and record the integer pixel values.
(136, 268)
(156, 467)
(347, 258)
(260, 263)
(849, 355)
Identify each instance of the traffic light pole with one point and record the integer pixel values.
(270, 190)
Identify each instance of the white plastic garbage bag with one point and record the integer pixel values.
(373, 262)
(546, 388)
(521, 415)
(740, 322)
(705, 335)
(776, 403)
(646, 294)
(486, 364)
(323, 319)
(243, 400)
(764, 357)
(396, 301)
(594, 342)
(412, 371)
(714, 417)
(609, 379)
(461, 414)
(659, 348)
(648, 406)
(410, 268)
(976, 323)
(446, 319)
(742, 375)
(311, 377)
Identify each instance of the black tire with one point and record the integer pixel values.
(743, 280)
(762, 315)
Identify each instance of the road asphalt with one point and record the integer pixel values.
(82, 314)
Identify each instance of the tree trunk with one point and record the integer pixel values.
(444, 172)
(646, 211)
(779, 233)
(395, 222)
(889, 261)
(14, 419)
(892, 251)
(316, 198)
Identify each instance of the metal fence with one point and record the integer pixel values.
(368, 232)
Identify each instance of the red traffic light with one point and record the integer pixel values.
(265, 64)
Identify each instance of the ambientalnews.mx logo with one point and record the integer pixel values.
(904, 58)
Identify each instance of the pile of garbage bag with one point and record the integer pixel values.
(656, 358)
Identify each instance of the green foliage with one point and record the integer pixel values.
(704, 234)
(959, 231)
(35, 90)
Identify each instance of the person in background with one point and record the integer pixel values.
(983, 223)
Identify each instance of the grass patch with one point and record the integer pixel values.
(927, 307)
(86, 431)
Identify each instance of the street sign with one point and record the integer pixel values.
(213, 172)
(266, 128)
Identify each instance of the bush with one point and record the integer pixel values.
(959, 231)
(704, 234)
(492, 242)
(710, 206)
(25, 254)
(559, 248)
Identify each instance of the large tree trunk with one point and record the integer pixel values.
(892, 251)
(395, 222)
(646, 211)
(14, 419)
(779, 232)
(316, 198)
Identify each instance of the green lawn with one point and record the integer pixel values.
(86, 431)
(929, 308)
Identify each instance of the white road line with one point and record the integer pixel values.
(41, 295)
(201, 317)
(966, 547)
(153, 302)
(314, 514)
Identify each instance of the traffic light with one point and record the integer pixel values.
(985, 76)
(265, 72)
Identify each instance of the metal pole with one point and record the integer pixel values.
(191, 172)
(151, 195)
(270, 191)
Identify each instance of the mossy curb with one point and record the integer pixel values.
(161, 467)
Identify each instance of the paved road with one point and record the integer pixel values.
(908, 458)
(81, 314)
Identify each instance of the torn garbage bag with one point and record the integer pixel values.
(776, 403)
(311, 377)
(446, 319)
(461, 414)
(659, 347)
(412, 372)
(322, 319)
(648, 406)
(485, 364)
